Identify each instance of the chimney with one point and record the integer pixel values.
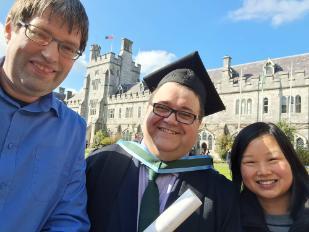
(61, 90)
(69, 94)
(226, 71)
(126, 45)
(227, 62)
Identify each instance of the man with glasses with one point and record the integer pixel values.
(130, 184)
(42, 142)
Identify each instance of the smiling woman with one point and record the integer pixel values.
(275, 184)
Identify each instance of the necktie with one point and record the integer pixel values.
(150, 206)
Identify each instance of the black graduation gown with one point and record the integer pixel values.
(112, 186)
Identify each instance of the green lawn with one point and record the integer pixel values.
(223, 168)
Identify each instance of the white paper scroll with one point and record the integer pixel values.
(176, 214)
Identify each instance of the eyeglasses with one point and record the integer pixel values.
(43, 38)
(181, 116)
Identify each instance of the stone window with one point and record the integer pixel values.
(95, 84)
(237, 107)
(129, 112)
(209, 142)
(283, 104)
(243, 107)
(111, 113)
(139, 113)
(106, 73)
(290, 104)
(139, 129)
(297, 104)
(119, 129)
(93, 111)
(249, 106)
(269, 68)
(204, 136)
(119, 113)
(93, 103)
(265, 105)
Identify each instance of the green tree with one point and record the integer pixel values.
(101, 139)
(288, 129)
(224, 145)
(303, 154)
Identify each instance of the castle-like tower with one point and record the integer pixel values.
(106, 75)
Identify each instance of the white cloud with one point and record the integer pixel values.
(2, 41)
(277, 11)
(153, 60)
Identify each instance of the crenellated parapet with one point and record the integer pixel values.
(136, 67)
(105, 58)
(129, 97)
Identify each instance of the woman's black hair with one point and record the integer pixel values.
(299, 188)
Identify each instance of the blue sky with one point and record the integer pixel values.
(164, 30)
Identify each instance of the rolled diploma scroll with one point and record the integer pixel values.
(176, 214)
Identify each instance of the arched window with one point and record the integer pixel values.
(237, 107)
(209, 142)
(300, 143)
(249, 106)
(119, 130)
(283, 104)
(139, 129)
(297, 104)
(265, 105)
(290, 103)
(119, 113)
(269, 68)
(204, 136)
(243, 106)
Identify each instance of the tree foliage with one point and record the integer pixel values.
(224, 145)
(288, 129)
(101, 139)
(303, 154)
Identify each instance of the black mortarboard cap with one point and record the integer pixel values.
(188, 71)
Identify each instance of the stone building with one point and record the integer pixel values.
(270, 90)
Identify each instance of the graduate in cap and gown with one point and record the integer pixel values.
(130, 184)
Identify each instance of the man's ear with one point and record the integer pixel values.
(8, 29)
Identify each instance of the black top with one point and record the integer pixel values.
(253, 219)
